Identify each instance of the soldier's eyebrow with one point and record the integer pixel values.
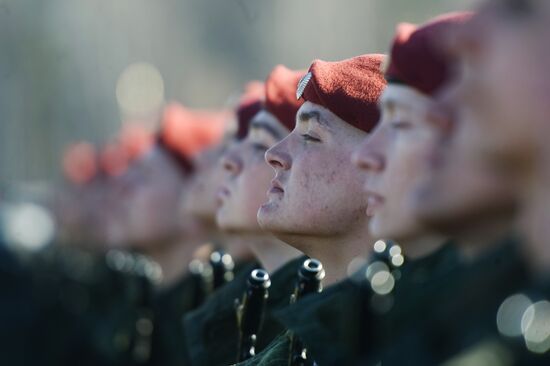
(307, 116)
(266, 126)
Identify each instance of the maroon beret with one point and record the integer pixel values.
(250, 104)
(80, 163)
(184, 132)
(350, 88)
(280, 91)
(417, 58)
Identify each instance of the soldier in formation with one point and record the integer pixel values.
(378, 210)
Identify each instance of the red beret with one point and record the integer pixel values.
(350, 88)
(249, 105)
(417, 58)
(135, 140)
(80, 163)
(183, 132)
(280, 94)
(114, 159)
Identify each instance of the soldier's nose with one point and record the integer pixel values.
(367, 160)
(277, 159)
(231, 164)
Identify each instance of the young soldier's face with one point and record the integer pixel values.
(150, 193)
(393, 157)
(504, 83)
(248, 176)
(201, 196)
(457, 190)
(316, 190)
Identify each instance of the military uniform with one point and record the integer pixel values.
(16, 310)
(461, 315)
(348, 320)
(318, 320)
(214, 325)
(277, 353)
(171, 305)
(419, 281)
(327, 323)
(78, 308)
(532, 347)
(516, 334)
(216, 316)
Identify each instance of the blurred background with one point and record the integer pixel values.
(75, 70)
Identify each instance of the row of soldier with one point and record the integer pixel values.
(404, 222)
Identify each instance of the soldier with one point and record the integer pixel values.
(478, 209)
(76, 203)
(116, 157)
(393, 157)
(499, 125)
(86, 206)
(63, 305)
(493, 133)
(150, 193)
(201, 201)
(315, 202)
(243, 188)
(243, 191)
(150, 196)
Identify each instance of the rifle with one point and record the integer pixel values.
(310, 277)
(250, 313)
(222, 269)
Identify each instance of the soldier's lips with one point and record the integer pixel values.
(275, 188)
(374, 201)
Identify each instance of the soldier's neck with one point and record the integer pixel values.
(490, 232)
(173, 257)
(335, 252)
(238, 248)
(270, 251)
(421, 246)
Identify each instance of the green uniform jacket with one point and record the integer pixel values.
(17, 310)
(215, 318)
(462, 312)
(275, 354)
(329, 323)
(211, 331)
(322, 322)
(343, 323)
(171, 305)
(70, 307)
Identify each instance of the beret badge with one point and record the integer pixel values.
(385, 64)
(302, 84)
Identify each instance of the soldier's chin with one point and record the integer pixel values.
(455, 218)
(375, 227)
(434, 211)
(268, 215)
